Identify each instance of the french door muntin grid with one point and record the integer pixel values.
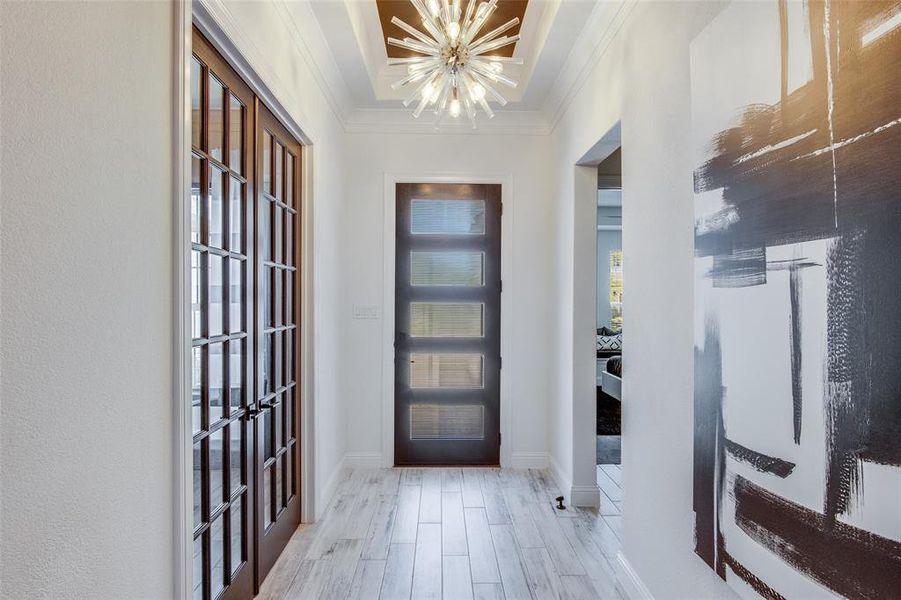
(218, 237)
(278, 330)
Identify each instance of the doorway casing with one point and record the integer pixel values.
(585, 491)
(389, 215)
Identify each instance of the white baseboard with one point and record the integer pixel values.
(363, 460)
(528, 460)
(585, 495)
(329, 489)
(631, 582)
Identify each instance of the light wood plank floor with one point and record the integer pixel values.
(451, 533)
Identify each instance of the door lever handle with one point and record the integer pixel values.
(253, 412)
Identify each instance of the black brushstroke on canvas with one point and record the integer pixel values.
(863, 404)
(794, 268)
(824, 163)
(850, 561)
(709, 454)
(778, 194)
(755, 582)
(761, 462)
(794, 295)
(740, 268)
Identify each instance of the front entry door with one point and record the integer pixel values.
(447, 324)
(276, 414)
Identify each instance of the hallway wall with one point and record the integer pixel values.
(642, 77)
(371, 156)
(86, 294)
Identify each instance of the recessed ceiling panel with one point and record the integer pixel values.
(403, 9)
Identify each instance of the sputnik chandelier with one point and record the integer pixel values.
(455, 72)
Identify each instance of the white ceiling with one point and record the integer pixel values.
(558, 38)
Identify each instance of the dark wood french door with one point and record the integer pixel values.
(222, 182)
(277, 414)
(447, 324)
(244, 301)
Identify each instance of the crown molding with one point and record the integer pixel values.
(604, 24)
(399, 120)
(311, 44)
(307, 38)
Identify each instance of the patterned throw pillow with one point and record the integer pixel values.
(610, 342)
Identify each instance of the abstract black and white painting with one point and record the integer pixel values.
(796, 125)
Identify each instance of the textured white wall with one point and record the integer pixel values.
(86, 288)
(643, 78)
(526, 158)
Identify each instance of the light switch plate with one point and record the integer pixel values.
(366, 311)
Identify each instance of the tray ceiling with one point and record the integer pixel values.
(404, 10)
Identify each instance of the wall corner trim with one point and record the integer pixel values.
(632, 584)
(564, 482)
(585, 495)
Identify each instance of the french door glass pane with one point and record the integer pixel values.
(198, 485)
(198, 568)
(196, 388)
(279, 372)
(459, 371)
(195, 200)
(445, 319)
(215, 295)
(217, 556)
(236, 215)
(216, 218)
(196, 96)
(265, 230)
(236, 373)
(236, 134)
(267, 497)
(267, 361)
(217, 468)
(237, 534)
(289, 298)
(267, 162)
(217, 381)
(279, 501)
(236, 295)
(196, 307)
(278, 171)
(216, 117)
(289, 179)
(234, 457)
(268, 418)
(447, 217)
(460, 268)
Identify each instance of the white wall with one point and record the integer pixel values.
(643, 78)
(86, 294)
(526, 158)
(280, 45)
